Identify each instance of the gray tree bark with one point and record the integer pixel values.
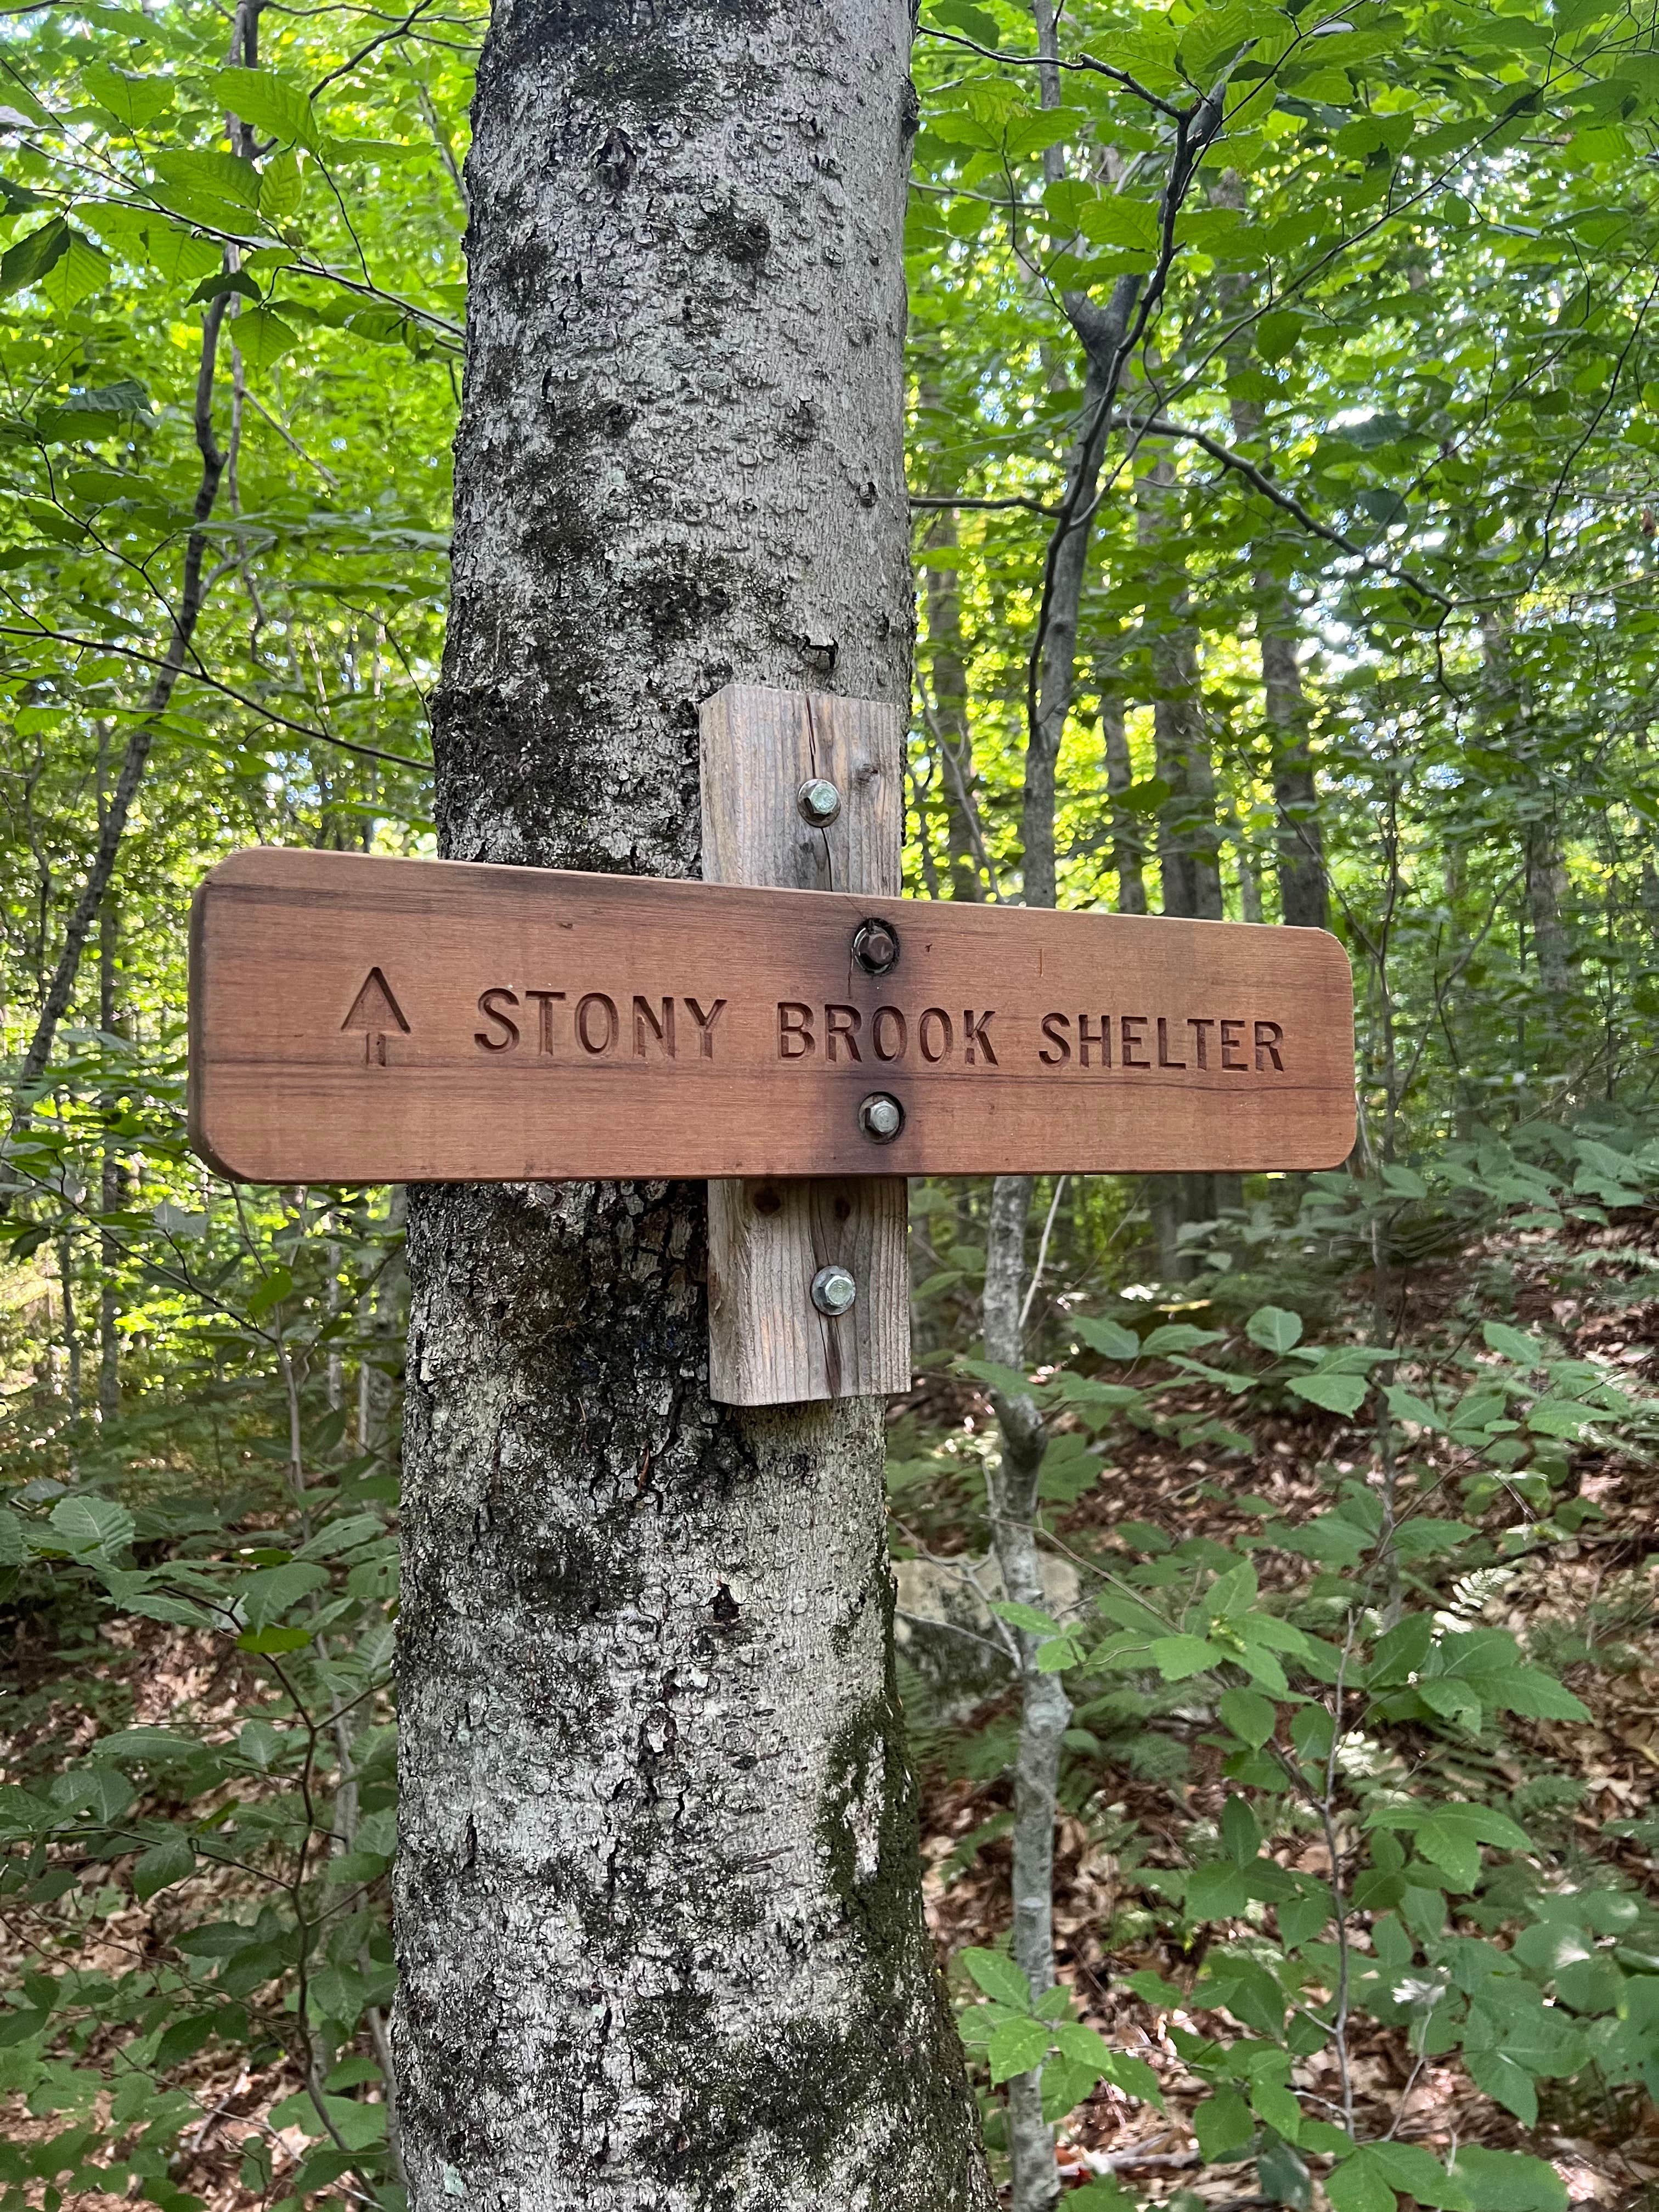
(1129, 839)
(658, 1899)
(1188, 836)
(1304, 890)
(1045, 1711)
(953, 732)
(1188, 833)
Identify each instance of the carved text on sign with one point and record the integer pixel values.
(359, 1019)
(599, 1025)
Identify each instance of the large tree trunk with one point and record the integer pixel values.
(659, 1911)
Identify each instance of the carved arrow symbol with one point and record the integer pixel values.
(374, 1011)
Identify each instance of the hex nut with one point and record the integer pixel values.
(833, 1290)
(880, 1116)
(876, 947)
(818, 802)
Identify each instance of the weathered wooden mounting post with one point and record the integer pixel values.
(769, 1238)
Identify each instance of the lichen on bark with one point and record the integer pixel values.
(658, 1911)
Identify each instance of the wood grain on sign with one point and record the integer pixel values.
(355, 1020)
(767, 1343)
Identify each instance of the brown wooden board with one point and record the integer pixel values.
(362, 1020)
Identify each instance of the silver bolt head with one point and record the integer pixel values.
(881, 1116)
(819, 802)
(833, 1290)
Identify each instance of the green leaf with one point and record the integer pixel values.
(1065, 2086)
(1524, 1351)
(183, 2040)
(1506, 2081)
(1417, 2172)
(1018, 2046)
(1277, 332)
(14, 1550)
(282, 187)
(266, 1596)
(1215, 1891)
(133, 101)
(268, 103)
(1252, 1718)
(1275, 1328)
(1450, 1837)
(76, 274)
(273, 1640)
(27, 261)
(1176, 1657)
(973, 22)
(998, 1977)
(1224, 2126)
(1272, 2102)
(157, 1747)
(1108, 1338)
(1360, 2183)
(1284, 2176)
(1024, 1616)
(1337, 1394)
(1509, 2181)
(87, 1523)
(356, 2125)
(1007, 1381)
(1240, 1832)
(1135, 2078)
(1116, 221)
(1085, 2047)
(262, 337)
(163, 1864)
(1328, 1536)
(1561, 1417)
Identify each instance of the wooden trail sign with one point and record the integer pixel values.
(355, 1020)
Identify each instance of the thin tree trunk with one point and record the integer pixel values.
(1303, 892)
(1546, 888)
(1051, 684)
(1128, 838)
(111, 1179)
(1045, 1710)
(952, 732)
(191, 597)
(1188, 836)
(71, 1326)
(1188, 833)
(657, 1894)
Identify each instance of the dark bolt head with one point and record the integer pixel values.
(876, 947)
(818, 802)
(880, 1116)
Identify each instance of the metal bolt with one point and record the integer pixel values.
(833, 1290)
(880, 1116)
(818, 802)
(876, 947)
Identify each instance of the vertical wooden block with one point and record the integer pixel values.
(769, 1345)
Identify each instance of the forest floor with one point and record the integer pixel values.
(1607, 2152)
